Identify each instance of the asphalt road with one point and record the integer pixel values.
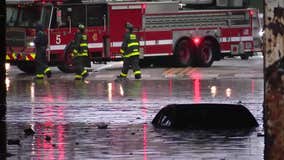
(227, 68)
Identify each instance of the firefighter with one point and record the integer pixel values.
(80, 53)
(130, 53)
(40, 60)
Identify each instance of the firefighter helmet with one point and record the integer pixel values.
(129, 26)
(39, 27)
(81, 26)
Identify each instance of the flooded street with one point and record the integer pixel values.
(102, 119)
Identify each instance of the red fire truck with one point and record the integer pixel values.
(186, 37)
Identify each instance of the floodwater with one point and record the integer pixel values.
(66, 114)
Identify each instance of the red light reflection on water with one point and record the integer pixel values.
(144, 111)
(53, 148)
(252, 87)
(48, 99)
(61, 142)
(52, 126)
(196, 76)
(145, 141)
(170, 87)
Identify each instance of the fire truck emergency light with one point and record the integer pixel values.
(251, 12)
(196, 40)
(143, 6)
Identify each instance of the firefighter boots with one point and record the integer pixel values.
(138, 76)
(85, 75)
(39, 76)
(48, 74)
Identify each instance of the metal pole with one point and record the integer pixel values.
(274, 79)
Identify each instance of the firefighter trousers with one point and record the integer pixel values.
(133, 62)
(80, 71)
(41, 63)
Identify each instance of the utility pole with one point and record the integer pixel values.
(3, 133)
(274, 79)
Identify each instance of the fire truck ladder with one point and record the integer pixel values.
(191, 20)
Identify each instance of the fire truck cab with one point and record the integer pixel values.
(185, 37)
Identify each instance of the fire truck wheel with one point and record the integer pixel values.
(27, 67)
(245, 57)
(183, 53)
(66, 68)
(205, 54)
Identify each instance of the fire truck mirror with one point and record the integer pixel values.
(69, 14)
(59, 17)
(69, 11)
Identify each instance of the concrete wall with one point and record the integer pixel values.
(274, 79)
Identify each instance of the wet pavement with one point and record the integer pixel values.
(101, 119)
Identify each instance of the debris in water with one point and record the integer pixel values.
(47, 138)
(102, 125)
(29, 130)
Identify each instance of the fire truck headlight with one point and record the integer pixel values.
(31, 44)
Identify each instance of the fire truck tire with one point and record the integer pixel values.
(65, 68)
(206, 52)
(245, 57)
(27, 67)
(183, 53)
